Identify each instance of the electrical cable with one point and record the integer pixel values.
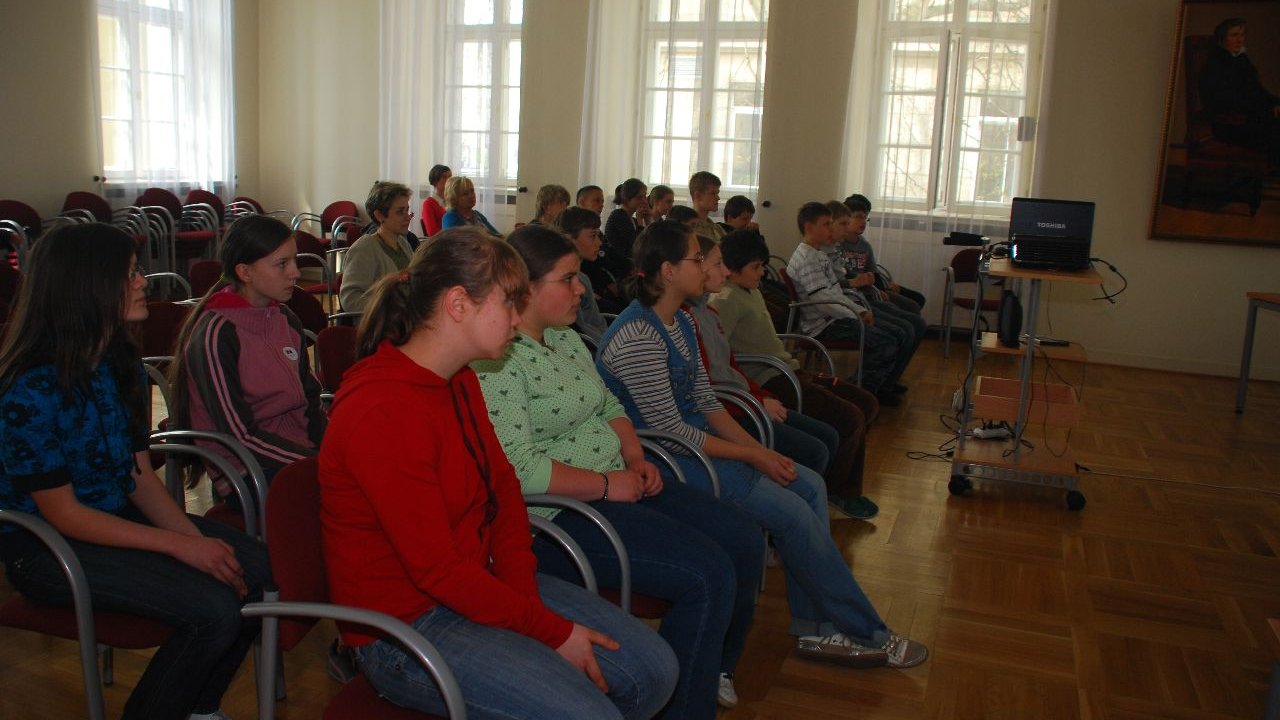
(1106, 295)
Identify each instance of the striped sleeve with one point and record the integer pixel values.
(638, 356)
(212, 357)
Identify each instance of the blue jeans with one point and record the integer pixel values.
(883, 358)
(821, 590)
(504, 674)
(806, 440)
(891, 311)
(701, 555)
(191, 671)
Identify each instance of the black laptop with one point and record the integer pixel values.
(1050, 234)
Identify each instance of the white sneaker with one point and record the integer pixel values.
(726, 696)
(842, 649)
(903, 652)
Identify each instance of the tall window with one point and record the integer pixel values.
(703, 92)
(482, 87)
(957, 76)
(165, 92)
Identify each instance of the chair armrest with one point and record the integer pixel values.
(302, 217)
(752, 406)
(697, 452)
(172, 277)
(80, 602)
(151, 365)
(209, 457)
(606, 527)
(344, 315)
(557, 533)
(815, 345)
(782, 367)
(417, 646)
(251, 465)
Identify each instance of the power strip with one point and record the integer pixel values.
(992, 433)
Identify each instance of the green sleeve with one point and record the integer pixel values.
(506, 395)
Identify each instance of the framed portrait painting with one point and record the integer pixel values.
(1219, 175)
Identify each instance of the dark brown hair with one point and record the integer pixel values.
(248, 240)
(69, 313)
(660, 242)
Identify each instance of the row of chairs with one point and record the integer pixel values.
(286, 517)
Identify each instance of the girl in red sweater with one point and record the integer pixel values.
(423, 516)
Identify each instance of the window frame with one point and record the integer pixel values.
(501, 139)
(708, 32)
(953, 37)
(131, 16)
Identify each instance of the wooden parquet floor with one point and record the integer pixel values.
(1152, 602)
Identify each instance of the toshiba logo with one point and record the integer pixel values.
(1055, 226)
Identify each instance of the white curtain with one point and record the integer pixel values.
(611, 108)
(165, 87)
(703, 109)
(411, 50)
(421, 111)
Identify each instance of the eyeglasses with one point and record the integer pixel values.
(699, 258)
(136, 272)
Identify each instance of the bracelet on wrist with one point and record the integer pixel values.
(605, 494)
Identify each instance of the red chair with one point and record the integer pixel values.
(333, 215)
(91, 206)
(336, 349)
(88, 205)
(199, 198)
(963, 269)
(297, 564)
(309, 311)
(20, 225)
(204, 275)
(10, 281)
(185, 231)
(313, 254)
(245, 205)
(158, 334)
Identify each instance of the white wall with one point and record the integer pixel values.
(806, 91)
(1185, 306)
(317, 139)
(48, 134)
(552, 81)
(318, 99)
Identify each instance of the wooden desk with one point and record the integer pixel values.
(1266, 301)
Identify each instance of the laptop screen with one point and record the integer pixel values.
(1051, 218)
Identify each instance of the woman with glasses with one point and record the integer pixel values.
(73, 451)
(383, 251)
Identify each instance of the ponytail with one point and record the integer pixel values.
(465, 257)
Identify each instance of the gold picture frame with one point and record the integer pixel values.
(1214, 183)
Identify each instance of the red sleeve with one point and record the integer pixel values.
(404, 489)
(432, 212)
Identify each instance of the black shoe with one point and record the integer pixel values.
(899, 389)
(888, 399)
